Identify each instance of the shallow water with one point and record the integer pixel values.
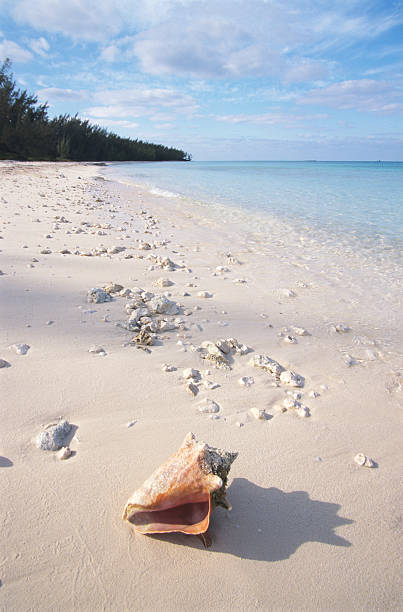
(365, 198)
(350, 209)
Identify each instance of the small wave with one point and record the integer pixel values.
(164, 193)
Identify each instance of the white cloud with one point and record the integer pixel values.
(110, 53)
(10, 49)
(211, 39)
(79, 19)
(137, 102)
(55, 94)
(362, 95)
(285, 119)
(40, 46)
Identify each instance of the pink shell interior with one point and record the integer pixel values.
(191, 515)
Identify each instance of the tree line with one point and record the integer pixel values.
(27, 133)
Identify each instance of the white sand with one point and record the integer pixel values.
(309, 529)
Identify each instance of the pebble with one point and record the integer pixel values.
(64, 453)
(290, 339)
(4, 364)
(291, 378)
(191, 388)
(208, 406)
(364, 461)
(20, 349)
(341, 328)
(98, 350)
(164, 282)
(221, 270)
(167, 368)
(287, 293)
(204, 294)
(246, 381)
(300, 331)
(52, 437)
(210, 385)
(191, 373)
(303, 411)
(348, 360)
(258, 413)
(113, 288)
(223, 346)
(314, 394)
(45, 252)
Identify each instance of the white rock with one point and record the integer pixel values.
(20, 349)
(166, 325)
(246, 381)
(258, 413)
(341, 328)
(303, 411)
(52, 437)
(167, 367)
(98, 296)
(191, 373)
(287, 293)
(208, 406)
(211, 348)
(221, 270)
(144, 246)
(204, 294)
(223, 346)
(290, 402)
(113, 288)
(210, 385)
(364, 461)
(191, 388)
(290, 339)
(164, 282)
(97, 350)
(160, 304)
(291, 378)
(64, 453)
(238, 347)
(300, 331)
(116, 249)
(264, 362)
(313, 394)
(348, 360)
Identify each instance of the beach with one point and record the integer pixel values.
(310, 528)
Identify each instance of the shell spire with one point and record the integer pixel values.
(181, 494)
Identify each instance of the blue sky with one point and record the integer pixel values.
(221, 79)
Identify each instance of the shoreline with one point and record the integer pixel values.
(301, 506)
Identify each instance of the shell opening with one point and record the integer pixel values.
(191, 516)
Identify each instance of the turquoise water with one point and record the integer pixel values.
(361, 199)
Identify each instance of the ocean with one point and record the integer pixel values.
(358, 205)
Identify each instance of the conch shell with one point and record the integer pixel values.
(181, 494)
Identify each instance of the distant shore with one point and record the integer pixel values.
(302, 507)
